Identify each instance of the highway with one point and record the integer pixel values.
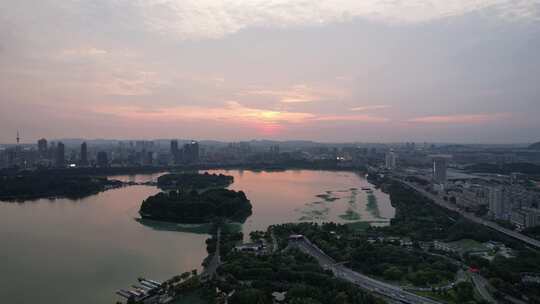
(364, 282)
(470, 216)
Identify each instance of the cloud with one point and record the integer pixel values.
(232, 112)
(352, 118)
(297, 94)
(459, 119)
(84, 52)
(369, 108)
(196, 19)
(136, 84)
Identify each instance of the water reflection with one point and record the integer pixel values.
(295, 195)
(81, 251)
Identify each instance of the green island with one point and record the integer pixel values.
(38, 185)
(196, 208)
(194, 181)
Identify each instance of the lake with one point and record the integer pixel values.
(81, 251)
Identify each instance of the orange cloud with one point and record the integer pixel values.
(464, 119)
(233, 112)
(297, 94)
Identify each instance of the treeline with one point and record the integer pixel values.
(194, 207)
(393, 263)
(39, 185)
(525, 168)
(83, 171)
(193, 181)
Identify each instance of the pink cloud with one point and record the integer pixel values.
(356, 118)
(369, 108)
(297, 94)
(462, 118)
(231, 111)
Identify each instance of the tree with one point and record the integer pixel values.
(304, 301)
(184, 275)
(250, 296)
(393, 274)
(464, 292)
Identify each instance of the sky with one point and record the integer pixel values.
(332, 71)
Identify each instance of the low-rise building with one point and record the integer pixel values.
(256, 248)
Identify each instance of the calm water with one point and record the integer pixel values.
(81, 251)
(291, 196)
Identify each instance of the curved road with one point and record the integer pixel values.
(364, 282)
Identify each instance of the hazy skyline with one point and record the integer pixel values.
(343, 70)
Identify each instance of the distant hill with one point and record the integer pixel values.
(535, 146)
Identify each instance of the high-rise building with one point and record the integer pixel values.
(148, 158)
(175, 152)
(174, 146)
(102, 159)
(391, 160)
(497, 202)
(42, 147)
(440, 165)
(60, 155)
(191, 152)
(84, 154)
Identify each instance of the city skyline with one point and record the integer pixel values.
(326, 71)
(80, 140)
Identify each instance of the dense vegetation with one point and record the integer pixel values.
(83, 171)
(41, 185)
(293, 272)
(193, 181)
(393, 263)
(418, 218)
(194, 207)
(386, 260)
